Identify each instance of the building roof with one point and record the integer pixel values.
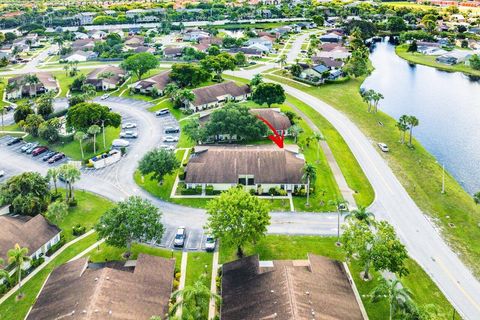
(332, 46)
(314, 289)
(158, 81)
(274, 116)
(75, 291)
(46, 79)
(82, 43)
(28, 232)
(224, 164)
(213, 93)
(329, 62)
(172, 50)
(320, 68)
(118, 74)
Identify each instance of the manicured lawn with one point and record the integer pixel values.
(166, 103)
(430, 61)
(14, 310)
(72, 148)
(105, 253)
(282, 247)
(89, 209)
(416, 169)
(65, 80)
(198, 264)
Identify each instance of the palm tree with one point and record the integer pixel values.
(52, 174)
(361, 214)
(93, 130)
(402, 125)
(185, 96)
(57, 211)
(341, 206)
(318, 137)
(377, 96)
(367, 97)
(194, 299)
(18, 256)
(282, 60)
(2, 112)
(413, 122)
(295, 131)
(80, 136)
(66, 67)
(170, 90)
(309, 175)
(71, 174)
(392, 290)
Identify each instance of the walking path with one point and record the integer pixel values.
(347, 193)
(213, 286)
(183, 276)
(84, 252)
(44, 264)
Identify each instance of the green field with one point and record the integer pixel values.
(416, 169)
(199, 264)
(282, 247)
(430, 61)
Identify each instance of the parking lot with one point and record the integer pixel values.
(195, 240)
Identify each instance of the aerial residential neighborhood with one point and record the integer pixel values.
(202, 160)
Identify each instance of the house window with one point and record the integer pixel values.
(242, 181)
(246, 180)
(251, 181)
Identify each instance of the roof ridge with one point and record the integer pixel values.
(291, 293)
(90, 307)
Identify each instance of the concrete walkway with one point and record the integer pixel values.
(44, 264)
(347, 193)
(84, 252)
(183, 276)
(213, 286)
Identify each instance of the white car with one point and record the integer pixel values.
(170, 139)
(119, 143)
(27, 146)
(383, 147)
(180, 236)
(129, 125)
(105, 96)
(2, 173)
(128, 135)
(210, 243)
(167, 147)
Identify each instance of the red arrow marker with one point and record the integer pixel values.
(275, 137)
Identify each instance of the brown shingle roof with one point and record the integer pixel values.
(317, 289)
(212, 93)
(158, 81)
(74, 291)
(274, 116)
(28, 232)
(118, 72)
(268, 164)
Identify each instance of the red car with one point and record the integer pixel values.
(38, 151)
(55, 158)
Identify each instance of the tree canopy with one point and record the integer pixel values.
(83, 115)
(268, 93)
(188, 75)
(140, 63)
(158, 162)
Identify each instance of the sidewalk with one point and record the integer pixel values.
(213, 286)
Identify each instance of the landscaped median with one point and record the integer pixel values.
(429, 60)
(455, 211)
(282, 247)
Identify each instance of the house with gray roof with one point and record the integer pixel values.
(156, 83)
(217, 94)
(22, 86)
(106, 78)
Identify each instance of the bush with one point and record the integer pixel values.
(56, 246)
(78, 230)
(177, 276)
(36, 262)
(72, 203)
(175, 285)
(190, 191)
(210, 191)
(252, 192)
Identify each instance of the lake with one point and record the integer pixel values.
(446, 104)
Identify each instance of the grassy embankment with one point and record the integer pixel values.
(278, 247)
(430, 61)
(454, 212)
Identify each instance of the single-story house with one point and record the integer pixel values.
(80, 35)
(20, 87)
(454, 57)
(316, 288)
(264, 41)
(83, 44)
(114, 290)
(259, 47)
(157, 82)
(80, 56)
(173, 52)
(314, 72)
(334, 54)
(195, 35)
(97, 34)
(280, 122)
(134, 41)
(329, 46)
(247, 51)
(256, 167)
(211, 40)
(106, 78)
(140, 49)
(214, 95)
(328, 62)
(331, 37)
(34, 233)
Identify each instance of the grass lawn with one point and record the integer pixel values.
(108, 253)
(177, 113)
(198, 264)
(72, 148)
(11, 309)
(416, 169)
(430, 61)
(89, 209)
(66, 80)
(278, 247)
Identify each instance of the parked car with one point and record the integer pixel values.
(2, 173)
(170, 139)
(119, 143)
(39, 150)
(129, 125)
(172, 130)
(49, 155)
(33, 147)
(162, 112)
(13, 141)
(27, 146)
(55, 158)
(210, 243)
(105, 96)
(383, 147)
(167, 147)
(180, 236)
(128, 134)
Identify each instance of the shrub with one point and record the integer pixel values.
(56, 246)
(189, 191)
(72, 203)
(252, 191)
(177, 276)
(210, 191)
(36, 262)
(175, 284)
(78, 230)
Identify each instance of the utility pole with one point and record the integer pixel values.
(103, 132)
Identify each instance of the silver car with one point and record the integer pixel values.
(27, 146)
(180, 237)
